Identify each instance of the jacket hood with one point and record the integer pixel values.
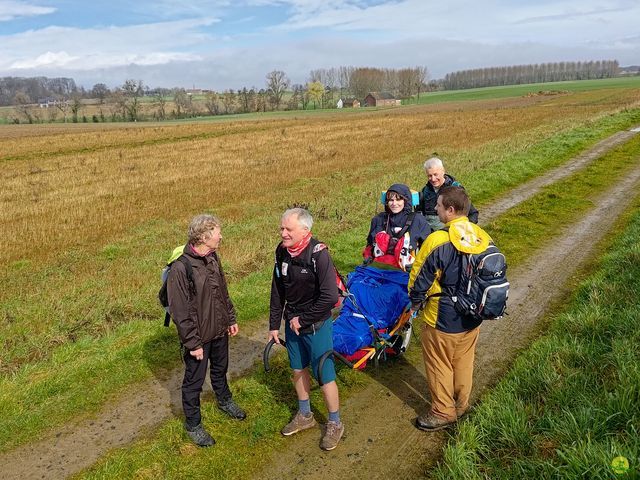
(448, 179)
(404, 191)
(468, 237)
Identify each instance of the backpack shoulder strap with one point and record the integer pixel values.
(407, 224)
(405, 228)
(192, 286)
(189, 270)
(312, 253)
(464, 261)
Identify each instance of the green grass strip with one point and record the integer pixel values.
(507, 91)
(59, 383)
(571, 403)
(162, 456)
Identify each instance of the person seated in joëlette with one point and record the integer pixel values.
(397, 233)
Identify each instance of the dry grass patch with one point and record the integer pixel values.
(75, 189)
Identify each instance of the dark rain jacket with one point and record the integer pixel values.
(303, 286)
(209, 314)
(429, 197)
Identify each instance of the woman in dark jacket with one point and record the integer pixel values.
(202, 310)
(397, 233)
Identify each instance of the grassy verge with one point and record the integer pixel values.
(98, 330)
(488, 93)
(163, 455)
(571, 403)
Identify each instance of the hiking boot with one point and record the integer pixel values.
(200, 436)
(300, 422)
(332, 436)
(431, 423)
(232, 409)
(461, 412)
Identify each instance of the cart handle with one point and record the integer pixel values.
(326, 355)
(267, 350)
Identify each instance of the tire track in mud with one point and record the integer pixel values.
(527, 190)
(378, 441)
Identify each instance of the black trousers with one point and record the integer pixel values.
(216, 354)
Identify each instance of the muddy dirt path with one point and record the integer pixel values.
(380, 439)
(77, 445)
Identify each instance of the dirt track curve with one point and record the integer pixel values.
(380, 436)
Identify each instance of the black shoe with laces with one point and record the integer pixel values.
(232, 409)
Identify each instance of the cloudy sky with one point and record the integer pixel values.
(229, 44)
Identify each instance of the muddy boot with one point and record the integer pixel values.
(431, 423)
(200, 436)
(232, 409)
(461, 412)
(300, 422)
(332, 435)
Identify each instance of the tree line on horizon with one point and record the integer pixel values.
(532, 73)
(135, 101)
(131, 101)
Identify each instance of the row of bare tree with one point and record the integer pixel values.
(538, 73)
(359, 81)
(36, 88)
(126, 103)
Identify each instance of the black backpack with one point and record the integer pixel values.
(162, 294)
(483, 288)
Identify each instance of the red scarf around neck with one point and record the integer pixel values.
(300, 246)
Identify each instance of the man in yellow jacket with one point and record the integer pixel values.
(448, 338)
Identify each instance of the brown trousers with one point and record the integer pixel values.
(448, 361)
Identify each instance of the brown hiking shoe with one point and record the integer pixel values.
(299, 423)
(431, 422)
(461, 412)
(332, 436)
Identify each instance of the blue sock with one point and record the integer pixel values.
(334, 416)
(304, 406)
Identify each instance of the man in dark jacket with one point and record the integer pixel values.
(200, 306)
(303, 292)
(437, 179)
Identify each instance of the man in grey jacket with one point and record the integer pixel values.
(200, 306)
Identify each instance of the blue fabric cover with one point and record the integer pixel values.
(381, 296)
